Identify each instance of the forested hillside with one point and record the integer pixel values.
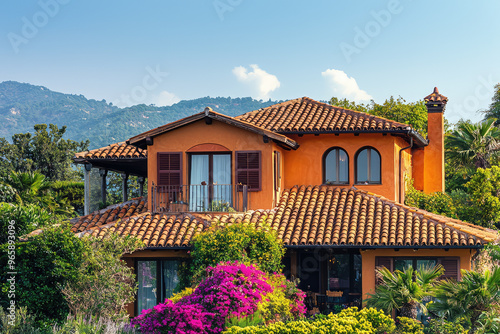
(23, 105)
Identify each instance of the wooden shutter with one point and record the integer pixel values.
(169, 169)
(382, 261)
(248, 169)
(451, 267)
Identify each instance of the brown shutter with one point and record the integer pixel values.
(382, 261)
(169, 169)
(451, 267)
(248, 169)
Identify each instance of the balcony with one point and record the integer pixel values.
(199, 198)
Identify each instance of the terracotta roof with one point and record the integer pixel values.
(436, 97)
(208, 115)
(307, 115)
(110, 214)
(114, 151)
(313, 215)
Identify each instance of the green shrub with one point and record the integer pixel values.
(93, 325)
(349, 321)
(21, 322)
(489, 322)
(440, 326)
(72, 191)
(26, 218)
(406, 325)
(43, 264)
(238, 242)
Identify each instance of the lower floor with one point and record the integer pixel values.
(333, 278)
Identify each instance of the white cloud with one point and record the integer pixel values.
(165, 99)
(344, 86)
(261, 82)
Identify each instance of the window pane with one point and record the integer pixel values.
(170, 279)
(375, 166)
(198, 193)
(362, 167)
(338, 272)
(222, 191)
(331, 167)
(343, 167)
(426, 263)
(400, 264)
(146, 293)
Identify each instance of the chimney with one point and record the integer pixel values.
(434, 152)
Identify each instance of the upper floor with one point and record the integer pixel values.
(213, 162)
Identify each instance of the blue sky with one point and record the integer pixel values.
(131, 52)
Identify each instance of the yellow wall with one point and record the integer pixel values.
(368, 261)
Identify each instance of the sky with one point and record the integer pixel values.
(156, 51)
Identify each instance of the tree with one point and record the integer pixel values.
(413, 113)
(484, 196)
(474, 294)
(103, 284)
(473, 145)
(404, 290)
(44, 151)
(494, 110)
(238, 242)
(43, 264)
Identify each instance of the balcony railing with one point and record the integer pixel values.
(199, 198)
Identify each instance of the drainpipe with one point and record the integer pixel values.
(400, 169)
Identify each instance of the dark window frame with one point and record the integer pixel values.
(210, 164)
(237, 169)
(368, 166)
(337, 162)
(159, 280)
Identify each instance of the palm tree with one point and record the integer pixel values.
(29, 187)
(404, 290)
(474, 294)
(473, 145)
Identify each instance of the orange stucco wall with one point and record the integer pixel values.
(234, 138)
(305, 165)
(368, 261)
(434, 154)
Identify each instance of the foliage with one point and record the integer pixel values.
(439, 202)
(44, 151)
(474, 294)
(18, 322)
(230, 290)
(34, 188)
(404, 290)
(72, 191)
(238, 242)
(349, 321)
(484, 190)
(177, 296)
(489, 322)
(43, 263)
(103, 284)
(25, 219)
(473, 145)
(406, 325)
(441, 326)
(493, 112)
(413, 113)
(93, 325)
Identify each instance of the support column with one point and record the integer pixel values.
(141, 186)
(86, 197)
(125, 187)
(103, 173)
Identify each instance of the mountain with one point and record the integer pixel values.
(23, 105)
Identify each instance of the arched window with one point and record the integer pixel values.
(336, 166)
(368, 166)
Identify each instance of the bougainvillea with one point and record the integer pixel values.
(230, 290)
